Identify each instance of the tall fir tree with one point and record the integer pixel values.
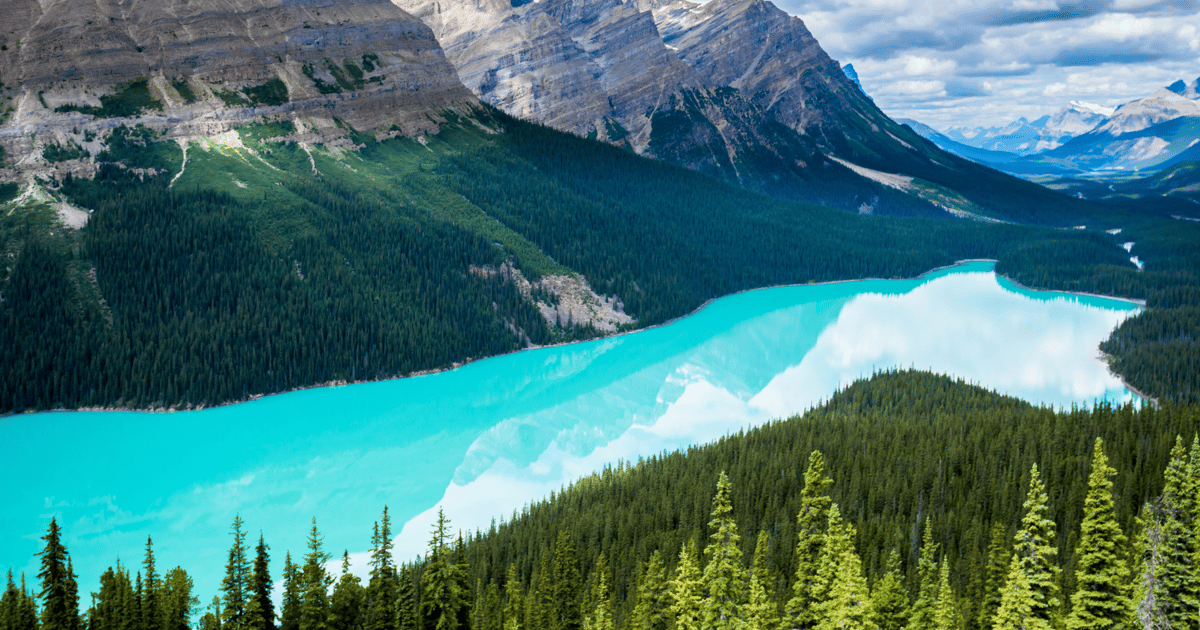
(925, 607)
(177, 604)
(1179, 597)
(839, 538)
(1101, 597)
(407, 617)
(687, 591)
(724, 576)
(151, 615)
(27, 614)
(889, 600)
(260, 605)
(999, 554)
(600, 617)
(514, 599)
(293, 595)
(801, 610)
(567, 588)
(946, 615)
(60, 595)
(847, 600)
(381, 588)
(315, 582)
(443, 585)
(761, 610)
(1036, 549)
(1015, 611)
(233, 585)
(1148, 588)
(652, 603)
(346, 604)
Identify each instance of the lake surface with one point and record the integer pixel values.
(487, 438)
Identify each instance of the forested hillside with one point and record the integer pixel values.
(261, 265)
(907, 501)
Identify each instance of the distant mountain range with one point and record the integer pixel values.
(1147, 134)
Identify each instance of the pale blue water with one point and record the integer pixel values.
(487, 438)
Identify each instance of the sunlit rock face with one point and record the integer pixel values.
(65, 54)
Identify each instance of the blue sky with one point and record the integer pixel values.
(986, 62)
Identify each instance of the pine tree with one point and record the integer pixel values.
(889, 602)
(10, 603)
(443, 585)
(233, 585)
(1101, 598)
(1148, 589)
(924, 608)
(761, 610)
(406, 600)
(838, 540)
(381, 589)
(565, 612)
(724, 577)
(847, 600)
(492, 617)
(514, 602)
(801, 610)
(652, 604)
(1037, 551)
(315, 581)
(293, 595)
(601, 615)
(27, 613)
(260, 607)
(60, 599)
(687, 591)
(994, 576)
(151, 615)
(346, 605)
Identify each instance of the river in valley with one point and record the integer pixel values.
(484, 439)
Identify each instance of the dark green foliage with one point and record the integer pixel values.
(260, 607)
(234, 585)
(444, 592)
(8, 190)
(233, 98)
(272, 93)
(346, 606)
(178, 604)
(369, 61)
(60, 594)
(289, 617)
(184, 88)
(314, 584)
(57, 153)
(129, 99)
(151, 590)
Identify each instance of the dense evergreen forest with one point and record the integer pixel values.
(907, 501)
(284, 266)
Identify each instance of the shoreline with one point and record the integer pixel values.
(469, 360)
(1108, 358)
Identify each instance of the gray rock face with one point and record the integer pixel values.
(68, 54)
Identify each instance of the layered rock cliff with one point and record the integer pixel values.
(191, 68)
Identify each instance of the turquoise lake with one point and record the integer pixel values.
(487, 438)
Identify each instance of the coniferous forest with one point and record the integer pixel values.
(907, 501)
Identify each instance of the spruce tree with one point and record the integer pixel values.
(260, 606)
(889, 601)
(151, 615)
(724, 576)
(60, 599)
(293, 595)
(233, 585)
(212, 618)
(346, 604)
(687, 591)
(994, 576)
(27, 614)
(925, 607)
(1148, 589)
(1178, 549)
(847, 600)
(443, 585)
(838, 540)
(600, 617)
(10, 603)
(493, 610)
(406, 600)
(761, 610)
(1036, 549)
(1101, 597)
(801, 610)
(315, 581)
(1015, 611)
(565, 612)
(652, 603)
(381, 588)
(514, 600)
(946, 614)
(177, 604)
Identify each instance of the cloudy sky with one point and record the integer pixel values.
(987, 62)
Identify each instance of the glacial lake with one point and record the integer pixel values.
(487, 438)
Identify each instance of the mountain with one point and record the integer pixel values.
(734, 88)
(1024, 137)
(975, 154)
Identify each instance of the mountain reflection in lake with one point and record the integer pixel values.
(487, 438)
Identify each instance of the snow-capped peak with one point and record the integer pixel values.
(1093, 108)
